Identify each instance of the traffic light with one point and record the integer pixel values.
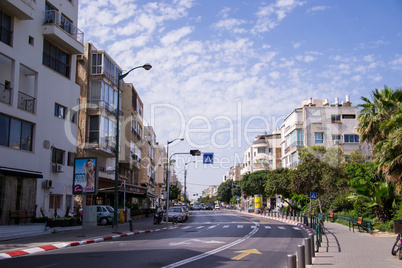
(195, 152)
(244, 196)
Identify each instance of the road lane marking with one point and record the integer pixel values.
(225, 226)
(199, 227)
(296, 228)
(186, 227)
(214, 251)
(267, 227)
(193, 241)
(239, 226)
(281, 227)
(245, 253)
(213, 226)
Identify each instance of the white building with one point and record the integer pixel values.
(263, 154)
(319, 123)
(39, 42)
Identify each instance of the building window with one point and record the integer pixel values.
(54, 201)
(59, 111)
(15, 133)
(261, 150)
(5, 28)
(319, 138)
(271, 162)
(348, 116)
(270, 150)
(73, 116)
(56, 59)
(31, 40)
(57, 156)
(70, 159)
(336, 118)
(296, 137)
(351, 138)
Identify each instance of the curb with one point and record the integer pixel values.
(17, 253)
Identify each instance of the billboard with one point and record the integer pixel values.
(85, 176)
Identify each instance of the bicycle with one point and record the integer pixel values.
(397, 248)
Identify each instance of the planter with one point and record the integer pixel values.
(397, 226)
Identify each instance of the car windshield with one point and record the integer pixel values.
(174, 209)
(110, 209)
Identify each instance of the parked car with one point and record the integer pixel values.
(217, 207)
(186, 210)
(104, 214)
(209, 207)
(197, 207)
(176, 212)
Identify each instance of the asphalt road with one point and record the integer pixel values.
(207, 239)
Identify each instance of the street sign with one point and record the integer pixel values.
(313, 195)
(208, 158)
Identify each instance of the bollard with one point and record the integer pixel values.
(307, 245)
(291, 261)
(312, 245)
(130, 222)
(301, 257)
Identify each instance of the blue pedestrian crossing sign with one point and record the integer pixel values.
(208, 158)
(313, 195)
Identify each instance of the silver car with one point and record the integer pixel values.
(186, 210)
(178, 213)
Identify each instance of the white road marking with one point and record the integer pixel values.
(296, 228)
(199, 227)
(193, 241)
(267, 227)
(225, 226)
(281, 227)
(185, 227)
(213, 226)
(239, 226)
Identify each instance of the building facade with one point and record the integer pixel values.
(319, 123)
(263, 154)
(39, 41)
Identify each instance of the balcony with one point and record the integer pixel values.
(26, 102)
(100, 104)
(62, 32)
(5, 93)
(22, 9)
(102, 146)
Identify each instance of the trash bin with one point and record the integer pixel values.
(397, 226)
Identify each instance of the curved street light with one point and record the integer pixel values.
(168, 176)
(147, 67)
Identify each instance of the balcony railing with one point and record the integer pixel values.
(101, 143)
(26, 102)
(54, 17)
(105, 105)
(5, 94)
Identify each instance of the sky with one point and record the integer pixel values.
(224, 71)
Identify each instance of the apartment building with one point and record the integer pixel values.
(263, 154)
(212, 190)
(98, 78)
(317, 122)
(234, 173)
(39, 41)
(160, 174)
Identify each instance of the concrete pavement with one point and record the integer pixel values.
(340, 247)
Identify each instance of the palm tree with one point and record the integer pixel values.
(380, 124)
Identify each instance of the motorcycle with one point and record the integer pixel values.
(158, 217)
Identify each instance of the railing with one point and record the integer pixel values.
(5, 94)
(102, 143)
(105, 105)
(54, 17)
(26, 102)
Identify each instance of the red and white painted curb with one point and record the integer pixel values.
(18, 253)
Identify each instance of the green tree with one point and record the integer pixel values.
(225, 191)
(174, 192)
(254, 183)
(380, 124)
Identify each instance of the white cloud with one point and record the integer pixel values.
(274, 75)
(175, 35)
(317, 8)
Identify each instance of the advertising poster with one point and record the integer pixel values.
(85, 180)
(257, 201)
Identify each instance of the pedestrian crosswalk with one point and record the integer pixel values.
(240, 226)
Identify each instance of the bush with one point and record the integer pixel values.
(341, 203)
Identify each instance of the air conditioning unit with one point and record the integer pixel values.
(47, 184)
(57, 168)
(337, 142)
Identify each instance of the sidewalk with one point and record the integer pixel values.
(343, 248)
(22, 239)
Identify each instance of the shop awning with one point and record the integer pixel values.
(108, 187)
(20, 172)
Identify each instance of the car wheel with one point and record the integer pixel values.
(103, 221)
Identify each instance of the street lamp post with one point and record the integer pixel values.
(168, 176)
(185, 186)
(147, 67)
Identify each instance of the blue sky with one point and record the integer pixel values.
(227, 70)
